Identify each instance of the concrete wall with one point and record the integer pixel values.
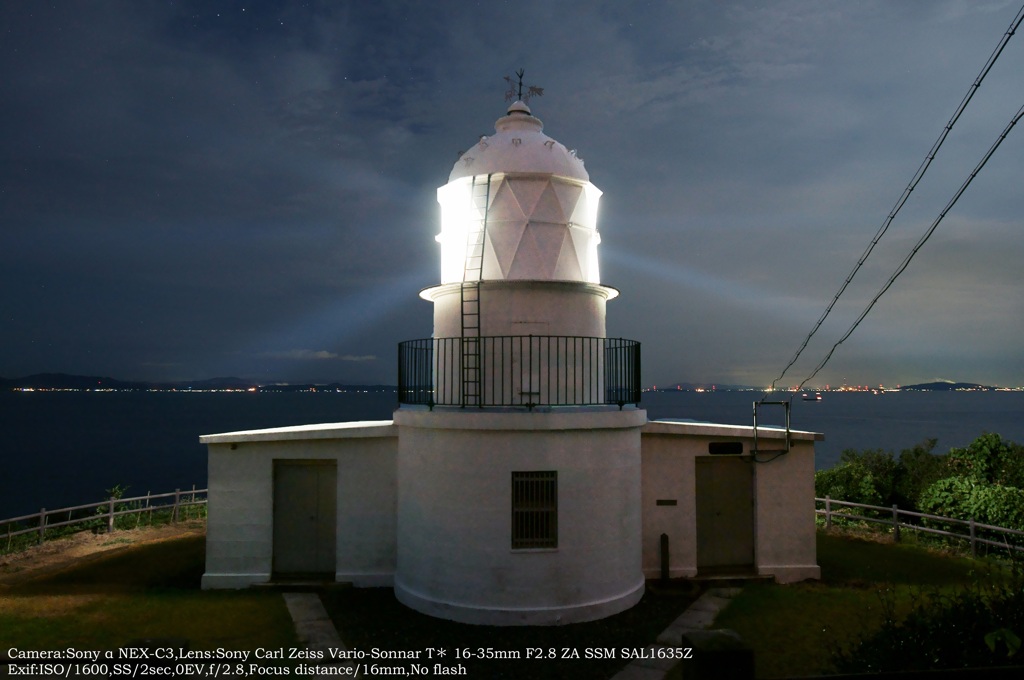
(784, 542)
(239, 543)
(526, 308)
(668, 475)
(784, 516)
(514, 371)
(455, 558)
(446, 542)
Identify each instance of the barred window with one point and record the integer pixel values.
(534, 510)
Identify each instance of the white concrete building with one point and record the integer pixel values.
(519, 482)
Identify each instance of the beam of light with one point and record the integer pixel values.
(465, 211)
(338, 322)
(592, 268)
(687, 280)
(681, 281)
(458, 216)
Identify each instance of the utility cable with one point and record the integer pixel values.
(910, 188)
(920, 243)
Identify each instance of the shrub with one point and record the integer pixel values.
(967, 498)
(876, 477)
(988, 459)
(918, 468)
(848, 481)
(977, 626)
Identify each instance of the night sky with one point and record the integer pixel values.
(200, 189)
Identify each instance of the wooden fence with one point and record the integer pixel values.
(103, 514)
(974, 532)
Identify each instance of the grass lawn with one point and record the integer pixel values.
(151, 590)
(795, 628)
(145, 591)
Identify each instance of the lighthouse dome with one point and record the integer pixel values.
(519, 145)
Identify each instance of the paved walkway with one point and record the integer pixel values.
(313, 626)
(698, 616)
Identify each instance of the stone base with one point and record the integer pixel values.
(791, 573)
(235, 581)
(547, 616)
(238, 581)
(366, 579)
(673, 572)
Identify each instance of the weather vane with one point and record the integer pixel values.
(515, 90)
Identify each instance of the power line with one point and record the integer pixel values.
(907, 191)
(921, 242)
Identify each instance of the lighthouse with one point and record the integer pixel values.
(519, 461)
(519, 482)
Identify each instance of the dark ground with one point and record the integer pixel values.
(372, 618)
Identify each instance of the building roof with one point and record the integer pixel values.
(519, 145)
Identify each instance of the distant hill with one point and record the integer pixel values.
(943, 386)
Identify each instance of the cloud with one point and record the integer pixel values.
(317, 355)
(268, 178)
(301, 355)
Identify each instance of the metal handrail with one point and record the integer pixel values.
(522, 370)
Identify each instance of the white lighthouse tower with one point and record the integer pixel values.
(519, 482)
(519, 475)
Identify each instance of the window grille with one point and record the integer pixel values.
(534, 510)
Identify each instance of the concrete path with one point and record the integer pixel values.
(698, 616)
(313, 626)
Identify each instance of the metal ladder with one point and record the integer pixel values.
(480, 197)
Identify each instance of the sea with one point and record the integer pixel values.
(59, 449)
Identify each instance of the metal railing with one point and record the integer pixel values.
(521, 370)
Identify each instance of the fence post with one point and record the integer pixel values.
(177, 500)
(895, 524)
(150, 509)
(110, 516)
(974, 545)
(42, 525)
(828, 512)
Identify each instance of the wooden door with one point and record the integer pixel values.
(305, 507)
(725, 512)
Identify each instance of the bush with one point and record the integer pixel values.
(876, 477)
(967, 498)
(848, 481)
(989, 460)
(978, 626)
(919, 467)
